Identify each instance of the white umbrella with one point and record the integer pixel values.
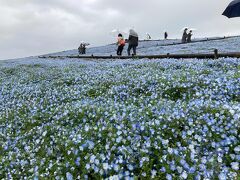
(115, 32)
(184, 28)
(84, 43)
(192, 29)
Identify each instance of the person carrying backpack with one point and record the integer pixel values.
(121, 44)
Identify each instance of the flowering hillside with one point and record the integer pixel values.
(163, 119)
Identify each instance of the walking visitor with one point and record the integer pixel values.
(132, 42)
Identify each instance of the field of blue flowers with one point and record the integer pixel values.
(162, 119)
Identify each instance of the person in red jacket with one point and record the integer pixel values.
(121, 44)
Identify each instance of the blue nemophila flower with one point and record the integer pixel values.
(105, 166)
(87, 166)
(184, 175)
(172, 167)
(130, 167)
(69, 176)
(116, 167)
(219, 158)
(77, 161)
(144, 174)
(235, 165)
(192, 170)
(169, 177)
(153, 173)
(163, 169)
(238, 157)
(237, 149)
(197, 177)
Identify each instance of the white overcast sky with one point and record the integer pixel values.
(34, 27)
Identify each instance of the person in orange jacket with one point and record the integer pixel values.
(121, 44)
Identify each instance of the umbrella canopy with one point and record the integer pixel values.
(233, 9)
(84, 43)
(192, 29)
(115, 32)
(184, 28)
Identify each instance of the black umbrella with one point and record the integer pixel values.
(233, 9)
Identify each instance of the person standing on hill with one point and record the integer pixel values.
(121, 44)
(132, 42)
(148, 36)
(82, 48)
(184, 36)
(165, 35)
(189, 36)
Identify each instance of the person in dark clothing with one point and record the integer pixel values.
(83, 48)
(121, 44)
(80, 49)
(184, 36)
(165, 35)
(132, 42)
(189, 36)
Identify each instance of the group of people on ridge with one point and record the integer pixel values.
(82, 48)
(187, 36)
(132, 43)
